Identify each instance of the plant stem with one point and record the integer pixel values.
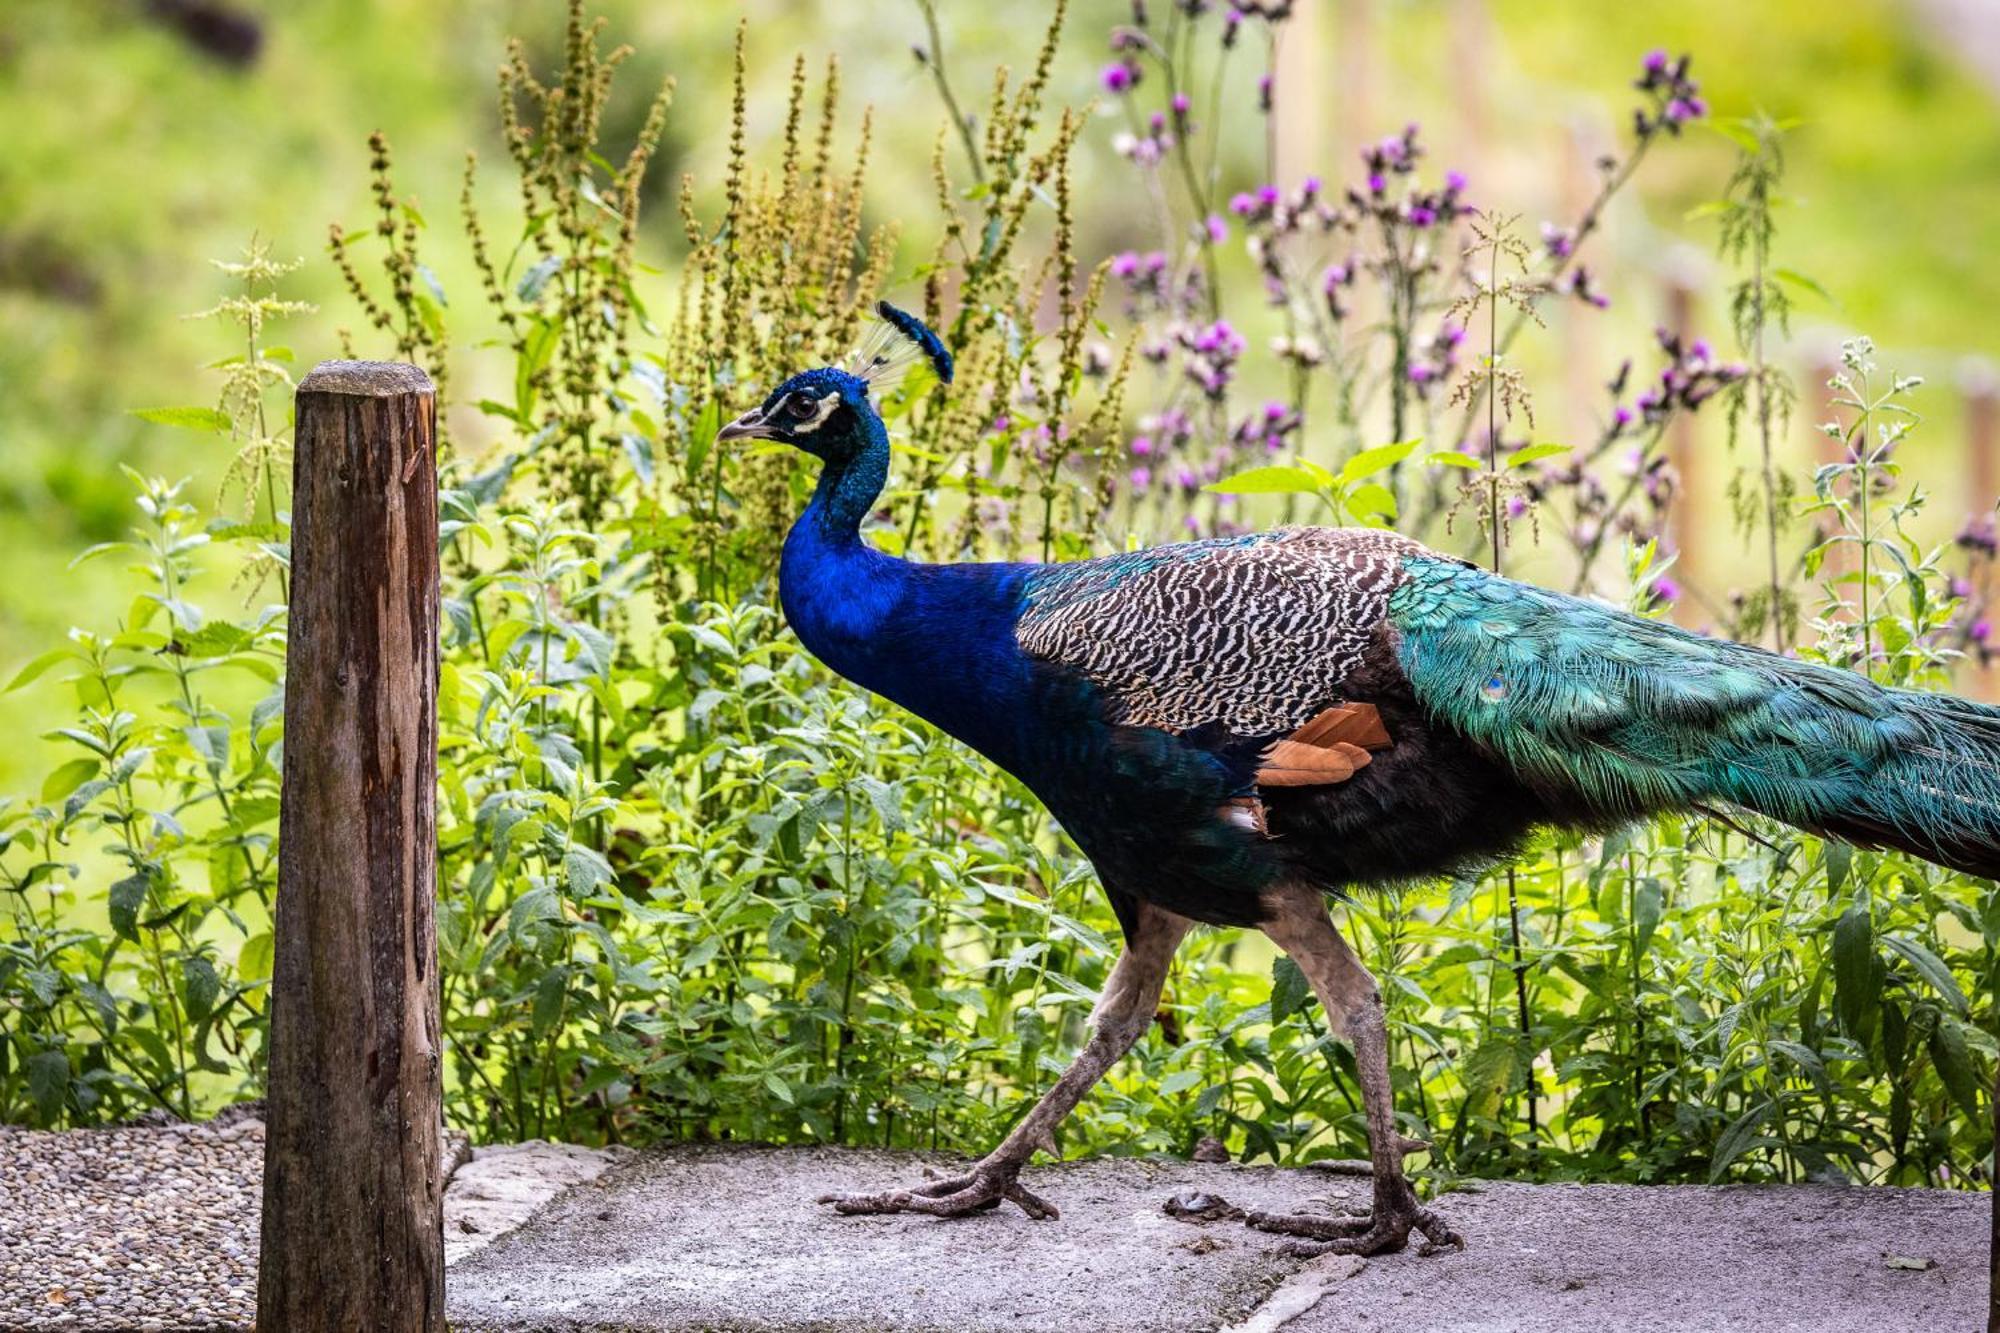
(1585, 225)
(1776, 610)
(960, 121)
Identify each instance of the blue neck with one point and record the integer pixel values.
(849, 488)
(836, 589)
(937, 639)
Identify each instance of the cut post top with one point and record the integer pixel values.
(366, 379)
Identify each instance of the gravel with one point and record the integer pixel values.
(140, 1228)
(150, 1227)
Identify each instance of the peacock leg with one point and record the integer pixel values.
(1300, 926)
(1123, 1013)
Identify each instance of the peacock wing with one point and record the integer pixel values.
(1244, 637)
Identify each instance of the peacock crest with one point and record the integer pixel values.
(896, 342)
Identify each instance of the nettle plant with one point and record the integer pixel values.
(692, 888)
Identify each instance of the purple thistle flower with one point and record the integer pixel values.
(1454, 181)
(1218, 230)
(1119, 78)
(1141, 477)
(1664, 590)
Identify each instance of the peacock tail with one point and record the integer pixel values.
(1634, 716)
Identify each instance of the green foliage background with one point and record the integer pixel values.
(693, 887)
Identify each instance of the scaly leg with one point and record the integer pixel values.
(1124, 1012)
(1300, 926)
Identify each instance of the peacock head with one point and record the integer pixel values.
(826, 411)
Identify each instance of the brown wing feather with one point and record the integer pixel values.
(1357, 724)
(1331, 747)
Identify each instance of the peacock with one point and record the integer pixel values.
(1237, 730)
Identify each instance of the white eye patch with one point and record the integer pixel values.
(803, 413)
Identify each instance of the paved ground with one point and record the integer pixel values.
(156, 1229)
(729, 1239)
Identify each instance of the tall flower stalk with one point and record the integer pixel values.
(1764, 395)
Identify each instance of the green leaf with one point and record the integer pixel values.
(127, 896)
(255, 959)
(1798, 279)
(1932, 969)
(586, 870)
(1954, 1065)
(638, 452)
(1738, 132)
(48, 1083)
(550, 993)
(431, 281)
(199, 986)
(1645, 915)
(1370, 501)
(532, 282)
(189, 418)
(1453, 458)
(67, 779)
(33, 670)
(1278, 479)
(1382, 457)
(1739, 1137)
(1839, 861)
(1853, 959)
(1487, 1073)
(1534, 453)
(1290, 992)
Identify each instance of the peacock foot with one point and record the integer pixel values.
(982, 1189)
(1383, 1230)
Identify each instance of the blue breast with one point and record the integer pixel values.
(937, 639)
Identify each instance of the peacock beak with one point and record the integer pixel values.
(749, 426)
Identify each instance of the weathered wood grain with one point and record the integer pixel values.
(352, 1227)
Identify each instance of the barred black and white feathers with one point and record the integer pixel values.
(1253, 634)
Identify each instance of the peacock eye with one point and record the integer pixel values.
(800, 406)
(1495, 689)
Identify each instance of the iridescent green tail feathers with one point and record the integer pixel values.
(1622, 717)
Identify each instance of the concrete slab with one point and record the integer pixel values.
(496, 1188)
(1681, 1259)
(730, 1238)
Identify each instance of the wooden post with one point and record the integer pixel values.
(353, 1232)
